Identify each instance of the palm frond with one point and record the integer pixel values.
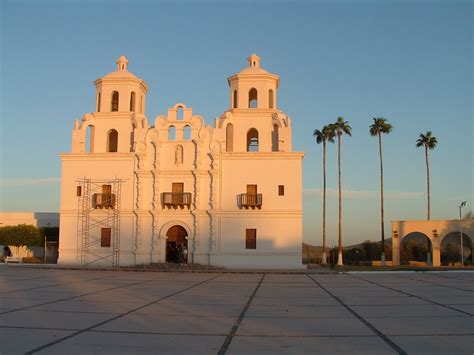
(427, 140)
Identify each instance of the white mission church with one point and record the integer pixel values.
(133, 191)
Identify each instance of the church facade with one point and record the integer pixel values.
(136, 192)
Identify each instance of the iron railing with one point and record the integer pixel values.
(250, 200)
(173, 199)
(103, 200)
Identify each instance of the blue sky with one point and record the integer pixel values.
(407, 61)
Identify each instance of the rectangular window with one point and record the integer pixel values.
(281, 190)
(250, 239)
(79, 191)
(105, 236)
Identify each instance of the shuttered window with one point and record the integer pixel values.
(281, 190)
(105, 237)
(250, 239)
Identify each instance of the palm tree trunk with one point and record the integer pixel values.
(324, 260)
(339, 249)
(427, 180)
(428, 256)
(382, 219)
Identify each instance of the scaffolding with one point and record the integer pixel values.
(98, 221)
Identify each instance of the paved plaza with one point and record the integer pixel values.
(116, 312)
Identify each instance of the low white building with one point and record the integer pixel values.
(134, 190)
(37, 219)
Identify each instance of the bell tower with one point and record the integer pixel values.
(253, 123)
(119, 114)
(253, 87)
(120, 91)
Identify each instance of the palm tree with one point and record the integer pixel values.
(323, 136)
(429, 142)
(380, 126)
(340, 127)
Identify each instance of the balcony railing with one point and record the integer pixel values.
(103, 200)
(250, 200)
(176, 199)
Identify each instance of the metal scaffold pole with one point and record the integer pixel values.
(98, 221)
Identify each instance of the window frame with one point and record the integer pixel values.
(106, 237)
(281, 190)
(250, 238)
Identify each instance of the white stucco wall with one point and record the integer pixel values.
(148, 162)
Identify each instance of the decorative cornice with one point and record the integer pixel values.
(262, 155)
(96, 156)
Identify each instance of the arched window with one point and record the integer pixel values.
(275, 138)
(115, 102)
(132, 101)
(112, 141)
(179, 113)
(253, 98)
(234, 102)
(90, 139)
(270, 99)
(171, 133)
(229, 138)
(98, 102)
(187, 132)
(252, 140)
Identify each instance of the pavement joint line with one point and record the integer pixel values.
(239, 335)
(78, 296)
(435, 283)
(416, 296)
(452, 278)
(381, 335)
(52, 285)
(235, 327)
(57, 341)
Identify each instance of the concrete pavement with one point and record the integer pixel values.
(106, 312)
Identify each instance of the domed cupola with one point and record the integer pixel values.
(253, 87)
(121, 91)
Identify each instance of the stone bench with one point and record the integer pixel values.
(13, 259)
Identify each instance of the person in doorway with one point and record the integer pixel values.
(173, 253)
(185, 255)
(180, 254)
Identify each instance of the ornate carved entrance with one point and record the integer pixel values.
(176, 244)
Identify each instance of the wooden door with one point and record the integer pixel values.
(177, 190)
(106, 189)
(251, 195)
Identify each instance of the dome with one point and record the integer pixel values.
(253, 66)
(254, 69)
(121, 71)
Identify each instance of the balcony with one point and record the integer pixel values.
(250, 200)
(176, 199)
(103, 201)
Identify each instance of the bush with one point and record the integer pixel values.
(21, 235)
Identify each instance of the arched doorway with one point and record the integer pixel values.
(415, 247)
(451, 249)
(176, 245)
